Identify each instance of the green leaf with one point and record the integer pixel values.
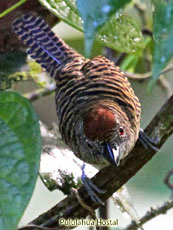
(20, 147)
(120, 32)
(163, 37)
(129, 63)
(94, 15)
(65, 10)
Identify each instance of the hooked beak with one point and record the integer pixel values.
(113, 154)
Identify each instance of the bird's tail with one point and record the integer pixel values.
(43, 45)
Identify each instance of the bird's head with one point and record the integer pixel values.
(110, 129)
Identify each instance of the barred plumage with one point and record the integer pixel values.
(98, 112)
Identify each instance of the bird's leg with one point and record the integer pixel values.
(91, 188)
(147, 141)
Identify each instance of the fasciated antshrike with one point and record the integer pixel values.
(98, 112)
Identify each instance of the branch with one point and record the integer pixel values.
(142, 76)
(35, 95)
(154, 212)
(168, 180)
(164, 83)
(162, 80)
(141, 9)
(112, 178)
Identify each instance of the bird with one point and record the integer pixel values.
(98, 111)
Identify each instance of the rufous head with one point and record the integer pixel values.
(98, 122)
(103, 125)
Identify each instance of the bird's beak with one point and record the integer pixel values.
(113, 154)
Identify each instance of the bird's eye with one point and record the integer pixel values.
(121, 130)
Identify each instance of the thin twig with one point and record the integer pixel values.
(154, 212)
(90, 210)
(13, 7)
(36, 227)
(41, 92)
(141, 9)
(168, 179)
(103, 214)
(165, 85)
(138, 76)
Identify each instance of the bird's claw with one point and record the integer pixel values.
(147, 141)
(91, 188)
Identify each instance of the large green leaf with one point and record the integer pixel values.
(65, 10)
(94, 15)
(163, 36)
(20, 147)
(120, 32)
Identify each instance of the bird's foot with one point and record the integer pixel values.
(91, 188)
(147, 141)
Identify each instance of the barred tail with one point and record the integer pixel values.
(43, 45)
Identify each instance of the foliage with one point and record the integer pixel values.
(113, 30)
(117, 30)
(20, 147)
(163, 36)
(95, 14)
(111, 24)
